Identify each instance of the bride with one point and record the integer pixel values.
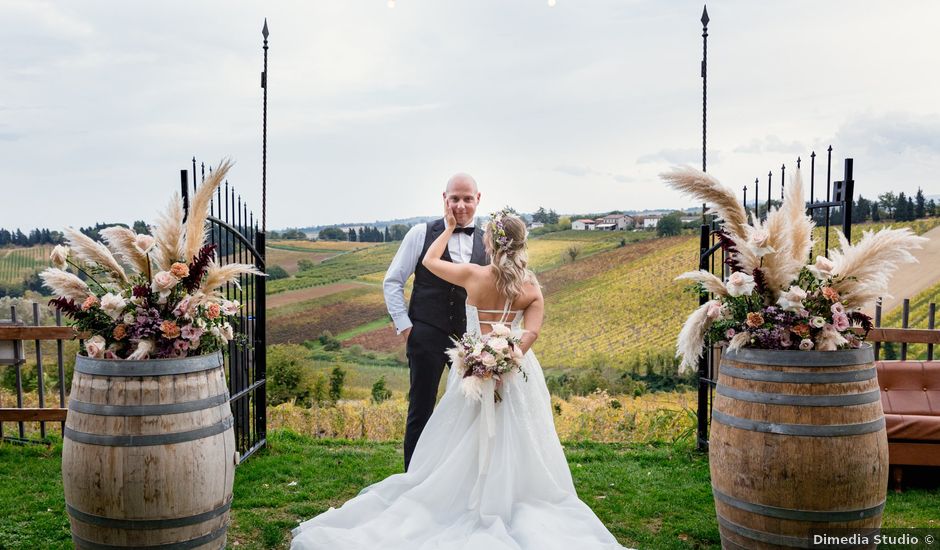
(483, 476)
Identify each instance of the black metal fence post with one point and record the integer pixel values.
(849, 199)
(703, 371)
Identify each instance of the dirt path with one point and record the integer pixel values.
(911, 280)
(292, 296)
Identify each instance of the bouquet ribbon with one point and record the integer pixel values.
(487, 433)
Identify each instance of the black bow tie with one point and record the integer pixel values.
(465, 230)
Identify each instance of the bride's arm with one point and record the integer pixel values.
(533, 316)
(457, 274)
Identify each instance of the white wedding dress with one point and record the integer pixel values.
(481, 478)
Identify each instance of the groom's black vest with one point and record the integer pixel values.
(434, 301)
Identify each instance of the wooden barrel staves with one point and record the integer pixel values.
(149, 455)
(797, 446)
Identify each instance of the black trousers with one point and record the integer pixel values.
(426, 360)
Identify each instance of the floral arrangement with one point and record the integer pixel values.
(500, 238)
(492, 356)
(141, 296)
(776, 297)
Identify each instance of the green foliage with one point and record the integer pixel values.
(669, 225)
(286, 378)
(328, 342)
(379, 391)
(337, 378)
(333, 234)
(572, 252)
(276, 272)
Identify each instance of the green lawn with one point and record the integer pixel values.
(649, 496)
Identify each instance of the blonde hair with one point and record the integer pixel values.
(506, 237)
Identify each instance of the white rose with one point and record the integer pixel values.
(144, 243)
(806, 344)
(740, 284)
(59, 257)
(164, 281)
(95, 346)
(823, 267)
(227, 332)
(129, 319)
(498, 344)
(500, 330)
(792, 300)
(817, 322)
(113, 305)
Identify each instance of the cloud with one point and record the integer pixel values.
(678, 156)
(890, 135)
(582, 171)
(770, 144)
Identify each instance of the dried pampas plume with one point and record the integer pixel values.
(63, 283)
(861, 272)
(692, 338)
(217, 275)
(168, 233)
(706, 188)
(709, 282)
(801, 225)
(121, 241)
(90, 251)
(195, 235)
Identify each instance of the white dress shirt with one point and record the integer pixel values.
(403, 266)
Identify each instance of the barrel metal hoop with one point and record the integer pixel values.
(148, 410)
(811, 430)
(801, 400)
(149, 367)
(799, 358)
(185, 545)
(147, 440)
(799, 377)
(799, 515)
(763, 536)
(147, 524)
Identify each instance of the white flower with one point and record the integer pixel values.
(792, 300)
(163, 283)
(806, 344)
(230, 307)
(724, 313)
(113, 305)
(498, 344)
(757, 240)
(823, 267)
(714, 309)
(129, 319)
(478, 348)
(500, 330)
(487, 359)
(227, 332)
(817, 322)
(740, 284)
(144, 243)
(95, 346)
(59, 257)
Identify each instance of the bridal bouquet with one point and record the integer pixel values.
(142, 296)
(776, 297)
(492, 356)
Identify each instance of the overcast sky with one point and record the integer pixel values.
(574, 107)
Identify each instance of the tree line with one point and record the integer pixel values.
(41, 236)
(366, 234)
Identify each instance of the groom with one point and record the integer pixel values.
(438, 309)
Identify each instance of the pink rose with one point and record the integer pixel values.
(498, 344)
(840, 321)
(95, 346)
(213, 311)
(487, 359)
(806, 344)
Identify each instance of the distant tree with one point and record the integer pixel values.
(875, 214)
(573, 252)
(888, 201)
(388, 234)
(552, 217)
(379, 391)
(932, 207)
(862, 209)
(276, 272)
(337, 379)
(140, 227)
(669, 225)
(352, 234)
(398, 231)
(333, 234)
(540, 215)
(920, 205)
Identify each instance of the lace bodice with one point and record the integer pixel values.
(513, 317)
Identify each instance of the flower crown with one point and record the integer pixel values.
(500, 238)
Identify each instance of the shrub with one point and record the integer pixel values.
(337, 378)
(286, 377)
(379, 391)
(276, 272)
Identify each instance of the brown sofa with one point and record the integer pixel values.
(910, 395)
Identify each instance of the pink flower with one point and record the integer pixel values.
(89, 303)
(806, 344)
(95, 346)
(192, 332)
(729, 334)
(181, 345)
(840, 321)
(179, 270)
(498, 344)
(213, 311)
(837, 308)
(230, 307)
(714, 309)
(182, 309)
(487, 359)
(169, 329)
(830, 294)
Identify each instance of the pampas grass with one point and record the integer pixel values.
(709, 190)
(195, 235)
(65, 284)
(168, 233)
(90, 251)
(692, 338)
(708, 281)
(121, 241)
(217, 275)
(861, 272)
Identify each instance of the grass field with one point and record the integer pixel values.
(650, 496)
(918, 317)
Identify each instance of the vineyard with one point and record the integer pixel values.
(375, 258)
(16, 264)
(338, 312)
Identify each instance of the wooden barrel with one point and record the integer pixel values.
(149, 457)
(797, 446)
